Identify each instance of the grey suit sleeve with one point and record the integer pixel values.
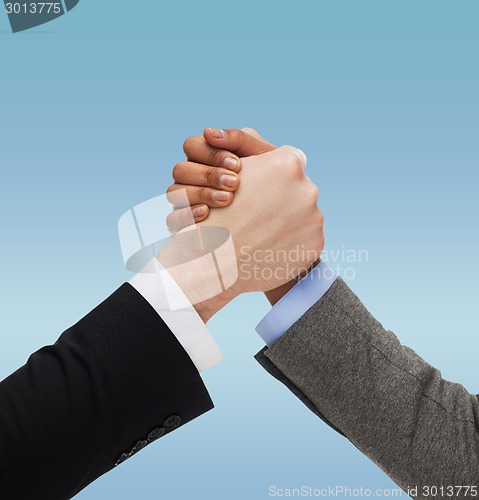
(419, 428)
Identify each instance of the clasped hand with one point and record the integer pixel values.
(237, 180)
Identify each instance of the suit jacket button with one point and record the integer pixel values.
(139, 446)
(123, 457)
(156, 434)
(172, 422)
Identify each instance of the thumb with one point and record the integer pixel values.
(246, 142)
(254, 133)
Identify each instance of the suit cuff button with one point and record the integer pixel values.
(172, 422)
(139, 446)
(156, 434)
(122, 458)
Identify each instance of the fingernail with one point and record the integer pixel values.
(198, 212)
(220, 195)
(219, 134)
(304, 157)
(230, 163)
(228, 180)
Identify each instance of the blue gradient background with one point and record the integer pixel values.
(381, 95)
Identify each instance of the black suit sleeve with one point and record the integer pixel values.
(110, 385)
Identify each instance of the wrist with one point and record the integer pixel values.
(208, 308)
(203, 264)
(278, 293)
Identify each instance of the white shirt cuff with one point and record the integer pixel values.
(174, 308)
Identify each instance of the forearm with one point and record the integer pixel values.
(202, 262)
(78, 405)
(419, 428)
(277, 294)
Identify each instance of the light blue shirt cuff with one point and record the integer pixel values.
(295, 303)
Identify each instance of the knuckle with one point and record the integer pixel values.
(215, 157)
(209, 175)
(190, 143)
(293, 158)
(175, 194)
(203, 194)
(171, 197)
(249, 130)
(241, 135)
(172, 221)
(288, 150)
(233, 133)
(320, 219)
(313, 193)
(318, 222)
(177, 170)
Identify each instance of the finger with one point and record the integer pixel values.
(254, 133)
(237, 141)
(194, 174)
(198, 150)
(201, 195)
(295, 152)
(184, 217)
